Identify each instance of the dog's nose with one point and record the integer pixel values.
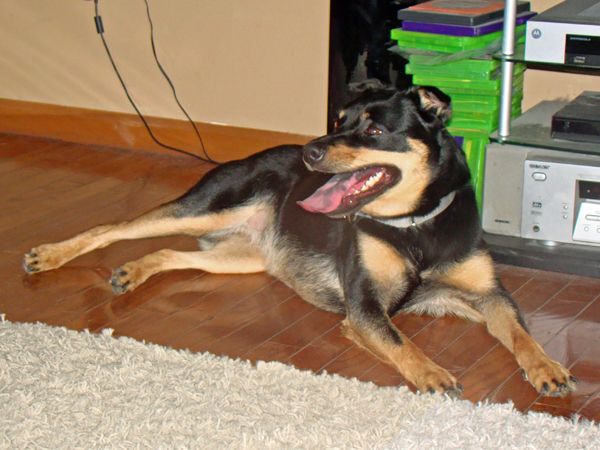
(313, 154)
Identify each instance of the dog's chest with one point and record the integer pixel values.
(385, 266)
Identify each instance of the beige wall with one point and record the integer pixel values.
(249, 63)
(545, 85)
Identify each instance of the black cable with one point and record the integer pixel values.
(100, 30)
(162, 70)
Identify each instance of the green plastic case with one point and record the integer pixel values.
(484, 64)
(466, 86)
(463, 68)
(449, 44)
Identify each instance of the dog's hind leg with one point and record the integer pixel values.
(233, 255)
(163, 221)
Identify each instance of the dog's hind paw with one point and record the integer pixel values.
(128, 277)
(31, 262)
(121, 282)
(42, 258)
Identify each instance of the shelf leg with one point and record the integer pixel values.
(508, 49)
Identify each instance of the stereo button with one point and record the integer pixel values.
(592, 217)
(539, 176)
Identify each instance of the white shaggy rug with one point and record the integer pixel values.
(63, 389)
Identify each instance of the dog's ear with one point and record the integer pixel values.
(372, 84)
(435, 101)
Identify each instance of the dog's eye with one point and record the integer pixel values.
(372, 130)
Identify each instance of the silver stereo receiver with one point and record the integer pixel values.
(547, 195)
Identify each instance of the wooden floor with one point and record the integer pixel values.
(51, 190)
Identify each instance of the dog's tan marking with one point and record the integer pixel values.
(159, 222)
(430, 102)
(365, 115)
(339, 159)
(546, 375)
(385, 266)
(342, 114)
(234, 255)
(404, 196)
(475, 274)
(401, 198)
(407, 358)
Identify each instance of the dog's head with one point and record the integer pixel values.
(390, 153)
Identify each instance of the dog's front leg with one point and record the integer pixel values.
(475, 276)
(379, 336)
(372, 277)
(547, 376)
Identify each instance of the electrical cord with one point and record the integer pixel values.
(100, 30)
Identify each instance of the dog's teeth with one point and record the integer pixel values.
(373, 179)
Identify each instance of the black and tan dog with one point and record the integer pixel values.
(376, 217)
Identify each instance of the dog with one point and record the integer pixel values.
(376, 217)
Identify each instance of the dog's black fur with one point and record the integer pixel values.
(411, 240)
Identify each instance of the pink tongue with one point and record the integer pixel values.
(329, 197)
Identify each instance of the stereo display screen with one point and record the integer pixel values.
(589, 189)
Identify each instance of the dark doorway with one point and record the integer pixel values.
(359, 48)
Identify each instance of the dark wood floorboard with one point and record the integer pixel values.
(52, 190)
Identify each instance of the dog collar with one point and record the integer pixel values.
(413, 221)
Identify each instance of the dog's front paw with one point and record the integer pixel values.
(434, 378)
(42, 258)
(550, 378)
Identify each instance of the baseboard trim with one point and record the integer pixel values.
(113, 129)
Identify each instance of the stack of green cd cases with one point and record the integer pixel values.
(473, 83)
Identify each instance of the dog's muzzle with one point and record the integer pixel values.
(312, 155)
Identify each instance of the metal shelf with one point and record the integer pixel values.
(532, 129)
(509, 56)
(519, 58)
